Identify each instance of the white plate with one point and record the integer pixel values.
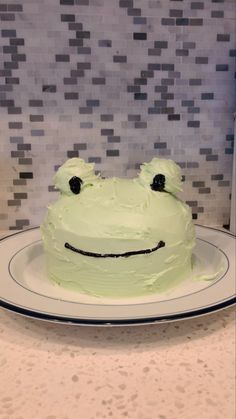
(25, 288)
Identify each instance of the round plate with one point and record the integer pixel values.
(25, 288)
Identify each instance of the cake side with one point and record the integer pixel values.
(118, 237)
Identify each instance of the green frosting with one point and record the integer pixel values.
(114, 216)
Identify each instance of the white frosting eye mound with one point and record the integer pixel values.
(74, 167)
(168, 168)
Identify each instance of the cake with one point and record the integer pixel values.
(118, 237)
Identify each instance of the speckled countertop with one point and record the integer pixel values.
(178, 370)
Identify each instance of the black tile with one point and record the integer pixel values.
(119, 58)
(139, 20)
(195, 82)
(106, 117)
(167, 21)
(192, 203)
(133, 89)
(80, 146)
(139, 36)
(194, 216)
(20, 195)
(7, 103)
(3, 7)
(223, 37)
(154, 66)
(134, 12)
(140, 81)
(207, 96)
(13, 202)
(201, 60)
(205, 151)
(84, 66)
(168, 111)
(105, 43)
(154, 111)
(7, 17)
(181, 52)
(62, 58)
(195, 22)
(193, 124)
(35, 102)
(18, 57)
(83, 34)
(70, 80)
(50, 88)
(182, 22)
(26, 175)
(160, 145)
(96, 160)
(75, 26)
(113, 139)
(161, 44)
(9, 49)
(189, 45)
(232, 53)
(217, 13)
(174, 117)
(126, 3)
(161, 89)
(176, 13)
(92, 102)
(147, 73)
(36, 118)
(140, 124)
(107, 131)
(204, 190)
(134, 118)
(187, 103)
(193, 110)
(198, 184)
(154, 51)
(76, 42)
(85, 110)
(72, 153)
(84, 50)
(229, 150)
(77, 73)
(98, 80)
(8, 33)
(140, 96)
(112, 153)
(230, 137)
(17, 41)
(17, 154)
(67, 2)
(192, 164)
(197, 5)
(11, 65)
(217, 177)
(15, 125)
(167, 67)
(222, 67)
(14, 111)
(68, 18)
(167, 96)
(160, 103)
(212, 157)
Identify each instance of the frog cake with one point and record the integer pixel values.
(118, 237)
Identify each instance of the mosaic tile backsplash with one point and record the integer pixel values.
(116, 82)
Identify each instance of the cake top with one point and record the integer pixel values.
(160, 175)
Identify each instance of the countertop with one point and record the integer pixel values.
(168, 371)
(176, 370)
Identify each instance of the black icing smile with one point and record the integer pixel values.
(115, 255)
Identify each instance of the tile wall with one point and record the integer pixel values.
(116, 82)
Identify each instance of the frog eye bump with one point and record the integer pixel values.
(75, 184)
(158, 183)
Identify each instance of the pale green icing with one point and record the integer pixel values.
(115, 216)
(168, 168)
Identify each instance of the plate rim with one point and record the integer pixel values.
(39, 315)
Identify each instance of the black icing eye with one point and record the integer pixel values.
(158, 183)
(75, 184)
